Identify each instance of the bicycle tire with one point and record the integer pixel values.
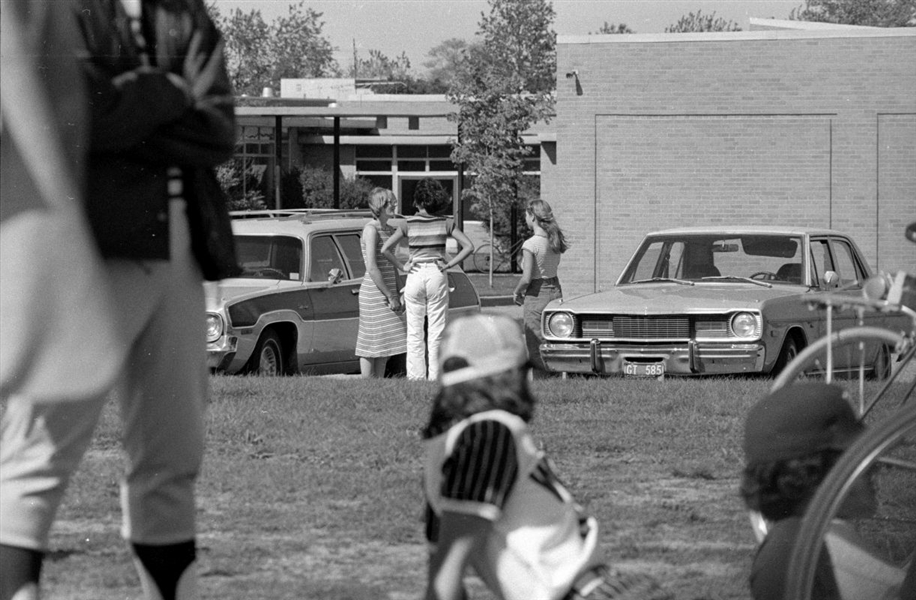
(482, 258)
(855, 461)
(807, 358)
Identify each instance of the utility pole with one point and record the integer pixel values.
(355, 61)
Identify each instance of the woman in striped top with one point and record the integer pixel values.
(382, 332)
(539, 284)
(426, 289)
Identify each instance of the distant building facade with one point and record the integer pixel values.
(391, 140)
(789, 123)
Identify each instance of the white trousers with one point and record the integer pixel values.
(162, 394)
(425, 298)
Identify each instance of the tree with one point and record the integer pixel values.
(872, 13)
(503, 86)
(697, 23)
(379, 66)
(444, 59)
(259, 54)
(608, 28)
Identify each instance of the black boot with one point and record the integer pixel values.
(167, 572)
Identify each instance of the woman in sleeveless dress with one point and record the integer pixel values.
(382, 331)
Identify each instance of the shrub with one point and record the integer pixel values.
(241, 184)
(318, 189)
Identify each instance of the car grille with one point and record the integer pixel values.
(664, 327)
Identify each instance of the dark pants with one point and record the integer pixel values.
(539, 293)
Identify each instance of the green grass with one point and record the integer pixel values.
(311, 487)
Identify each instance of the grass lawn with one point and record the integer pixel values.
(311, 488)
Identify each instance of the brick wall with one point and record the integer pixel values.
(814, 128)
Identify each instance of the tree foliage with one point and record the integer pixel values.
(443, 60)
(243, 189)
(872, 13)
(259, 54)
(379, 66)
(317, 185)
(698, 23)
(611, 28)
(503, 85)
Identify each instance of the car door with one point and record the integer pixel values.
(335, 301)
(837, 255)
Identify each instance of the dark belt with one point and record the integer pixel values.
(547, 280)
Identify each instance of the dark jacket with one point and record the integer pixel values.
(142, 124)
(771, 565)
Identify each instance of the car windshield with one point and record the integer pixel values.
(269, 257)
(761, 258)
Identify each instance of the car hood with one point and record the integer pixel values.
(669, 298)
(217, 294)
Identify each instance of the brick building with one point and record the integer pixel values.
(786, 124)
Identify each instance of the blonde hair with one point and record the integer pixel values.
(543, 214)
(379, 198)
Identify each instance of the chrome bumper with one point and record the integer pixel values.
(221, 352)
(691, 358)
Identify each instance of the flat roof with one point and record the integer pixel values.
(773, 29)
(348, 108)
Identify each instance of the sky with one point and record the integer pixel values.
(415, 26)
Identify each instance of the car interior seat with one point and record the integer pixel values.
(790, 272)
(701, 270)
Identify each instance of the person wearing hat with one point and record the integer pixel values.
(493, 501)
(792, 438)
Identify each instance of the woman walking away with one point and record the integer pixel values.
(494, 504)
(426, 290)
(382, 332)
(539, 283)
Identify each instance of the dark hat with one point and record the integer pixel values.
(797, 420)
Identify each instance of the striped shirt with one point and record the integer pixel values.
(427, 236)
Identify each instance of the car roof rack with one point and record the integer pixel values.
(303, 214)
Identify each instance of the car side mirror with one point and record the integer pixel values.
(831, 279)
(335, 276)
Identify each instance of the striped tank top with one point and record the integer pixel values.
(427, 236)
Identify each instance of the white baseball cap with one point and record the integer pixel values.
(488, 344)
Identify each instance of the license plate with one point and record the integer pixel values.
(633, 369)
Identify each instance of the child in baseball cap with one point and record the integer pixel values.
(792, 438)
(493, 501)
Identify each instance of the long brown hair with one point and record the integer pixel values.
(543, 215)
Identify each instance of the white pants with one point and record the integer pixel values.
(425, 296)
(162, 394)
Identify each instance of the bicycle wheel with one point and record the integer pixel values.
(885, 455)
(482, 258)
(850, 357)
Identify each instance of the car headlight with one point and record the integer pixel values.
(214, 327)
(561, 324)
(745, 325)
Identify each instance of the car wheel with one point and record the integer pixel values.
(787, 354)
(882, 367)
(267, 359)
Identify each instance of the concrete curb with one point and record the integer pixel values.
(496, 301)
